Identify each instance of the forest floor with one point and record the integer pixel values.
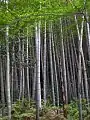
(23, 110)
(50, 115)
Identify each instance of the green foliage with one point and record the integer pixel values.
(21, 12)
(22, 109)
(74, 113)
(87, 118)
(49, 101)
(4, 118)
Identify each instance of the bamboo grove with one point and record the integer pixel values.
(44, 53)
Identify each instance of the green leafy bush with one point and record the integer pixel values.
(23, 109)
(74, 113)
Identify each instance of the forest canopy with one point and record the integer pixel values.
(44, 59)
(33, 9)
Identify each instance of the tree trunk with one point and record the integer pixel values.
(12, 76)
(85, 78)
(68, 75)
(56, 77)
(64, 66)
(7, 73)
(44, 71)
(73, 67)
(23, 77)
(34, 83)
(80, 36)
(2, 85)
(20, 71)
(38, 84)
(51, 63)
(28, 84)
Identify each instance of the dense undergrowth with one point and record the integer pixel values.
(23, 110)
(73, 113)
